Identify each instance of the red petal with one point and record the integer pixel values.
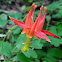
(42, 35)
(29, 21)
(19, 23)
(34, 12)
(41, 19)
(49, 33)
(14, 20)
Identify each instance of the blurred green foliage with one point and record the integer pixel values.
(3, 20)
(56, 6)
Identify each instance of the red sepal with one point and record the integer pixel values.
(49, 33)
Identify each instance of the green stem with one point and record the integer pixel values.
(26, 47)
(13, 49)
(24, 18)
(47, 25)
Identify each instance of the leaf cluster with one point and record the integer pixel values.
(56, 7)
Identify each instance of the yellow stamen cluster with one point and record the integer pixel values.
(26, 47)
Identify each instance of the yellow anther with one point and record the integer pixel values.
(31, 46)
(25, 49)
(23, 43)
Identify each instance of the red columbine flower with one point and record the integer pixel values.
(36, 28)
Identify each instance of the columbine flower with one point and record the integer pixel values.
(36, 28)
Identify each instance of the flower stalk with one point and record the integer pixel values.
(27, 44)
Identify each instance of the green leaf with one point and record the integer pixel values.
(28, 9)
(37, 60)
(30, 1)
(36, 43)
(60, 29)
(55, 41)
(49, 59)
(21, 57)
(44, 42)
(58, 15)
(2, 35)
(6, 49)
(6, 60)
(32, 53)
(54, 6)
(17, 30)
(16, 15)
(15, 50)
(53, 29)
(3, 16)
(1, 10)
(1, 30)
(12, 39)
(3, 22)
(40, 53)
(11, 22)
(53, 55)
(55, 52)
(22, 39)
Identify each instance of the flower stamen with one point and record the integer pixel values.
(26, 47)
